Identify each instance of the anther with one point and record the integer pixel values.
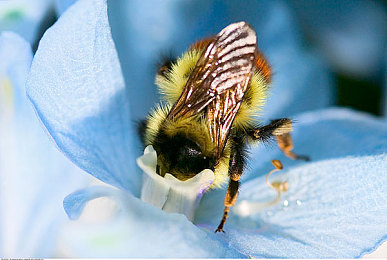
(277, 164)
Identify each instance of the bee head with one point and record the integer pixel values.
(183, 149)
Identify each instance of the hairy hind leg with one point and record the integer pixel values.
(281, 129)
(235, 170)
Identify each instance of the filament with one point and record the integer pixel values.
(277, 186)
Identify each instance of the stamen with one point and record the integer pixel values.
(245, 208)
(278, 186)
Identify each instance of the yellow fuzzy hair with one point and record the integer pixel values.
(154, 121)
(171, 85)
(253, 102)
(157, 119)
(221, 170)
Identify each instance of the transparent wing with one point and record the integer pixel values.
(219, 80)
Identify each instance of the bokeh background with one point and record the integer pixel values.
(348, 37)
(323, 54)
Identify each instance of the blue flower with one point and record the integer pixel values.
(334, 206)
(34, 175)
(25, 17)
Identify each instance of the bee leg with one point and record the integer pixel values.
(236, 166)
(285, 143)
(281, 129)
(229, 201)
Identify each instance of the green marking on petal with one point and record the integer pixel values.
(14, 15)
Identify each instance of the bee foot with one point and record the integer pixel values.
(303, 157)
(219, 230)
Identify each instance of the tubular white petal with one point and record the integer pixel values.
(169, 193)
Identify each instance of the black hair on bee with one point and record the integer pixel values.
(211, 97)
(164, 65)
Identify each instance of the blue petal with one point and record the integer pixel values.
(62, 5)
(335, 205)
(34, 175)
(325, 134)
(78, 91)
(24, 17)
(140, 230)
(76, 201)
(15, 56)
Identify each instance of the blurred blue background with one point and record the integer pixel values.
(339, 45)
(346, 38)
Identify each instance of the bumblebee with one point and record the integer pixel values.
(212, 94)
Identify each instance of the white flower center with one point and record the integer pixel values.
(169, 193)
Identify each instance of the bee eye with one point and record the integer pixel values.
(189, 157)
(192, 159)
(182, 155)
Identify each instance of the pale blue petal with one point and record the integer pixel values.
(140, 230)
(24, 17)
(34, 175)
(15, 56)
(336, 204)
(62, 5)
(325, 134)
(77, 89)
(74, 203)
(143, 30)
